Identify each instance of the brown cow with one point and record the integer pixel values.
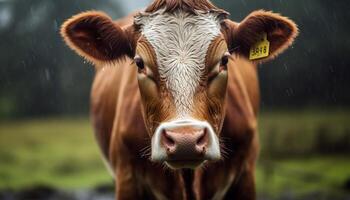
(175, 97)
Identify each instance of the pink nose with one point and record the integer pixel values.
(185, 143)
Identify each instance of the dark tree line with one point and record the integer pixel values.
(40, 76)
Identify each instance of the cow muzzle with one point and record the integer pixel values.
(185, 144)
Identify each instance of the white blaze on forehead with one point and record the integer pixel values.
(180, 41)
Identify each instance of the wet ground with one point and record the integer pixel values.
(107, 193)
(48, 193)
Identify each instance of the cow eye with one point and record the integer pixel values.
(139, 62)
(224, 59)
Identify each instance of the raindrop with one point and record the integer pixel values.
(5, 17)
(47, 74)
(244, 2)
(289, 92)
(23, 63)
(55, 25)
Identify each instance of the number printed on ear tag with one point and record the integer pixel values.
(260, 49)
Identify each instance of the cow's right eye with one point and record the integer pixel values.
(139, 62)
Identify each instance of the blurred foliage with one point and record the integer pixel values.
(62, 153)
(40, 76)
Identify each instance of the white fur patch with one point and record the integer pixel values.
(181, 41)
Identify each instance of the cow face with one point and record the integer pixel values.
(182, 60)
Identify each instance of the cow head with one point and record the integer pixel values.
(181, 52)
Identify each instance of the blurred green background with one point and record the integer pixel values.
(45, 134)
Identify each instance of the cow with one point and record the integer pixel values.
(175, 97)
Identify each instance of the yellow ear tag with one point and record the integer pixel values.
(260, 49)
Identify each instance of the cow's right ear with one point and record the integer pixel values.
(94, 36)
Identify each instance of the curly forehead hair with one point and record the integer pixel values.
(187, 5)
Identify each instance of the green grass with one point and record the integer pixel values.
(303, 175)
(57, 152)
(62, 153)
(304, 132)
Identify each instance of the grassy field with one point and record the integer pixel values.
(62, 153)
(57, 152)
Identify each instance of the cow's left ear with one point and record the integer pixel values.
(247, 38)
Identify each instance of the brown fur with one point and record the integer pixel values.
(129, 136)
(156, 100)
(210, 99)
(188, 5)
(94, 36)
(124, 119)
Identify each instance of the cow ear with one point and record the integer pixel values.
(94, 36)
(278, 32)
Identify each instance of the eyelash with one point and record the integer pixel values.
(224, 60)
(139, 63)
(219, 67)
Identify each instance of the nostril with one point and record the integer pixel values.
(203, 139)
(168, 141)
